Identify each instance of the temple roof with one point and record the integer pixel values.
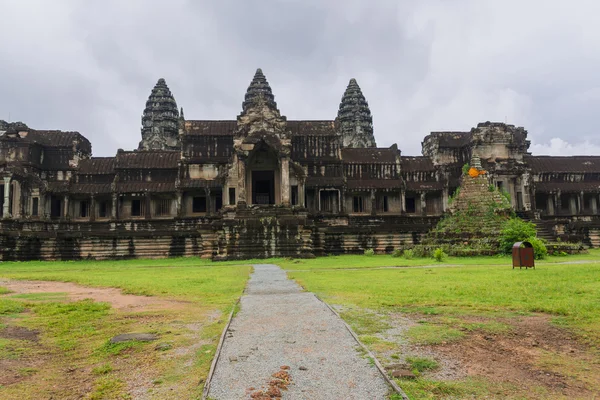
(97, 166)
(573, 164)
(372, 155)
(151, 159)
(259, 87)
(160, 119)
(415, 164)
(227, 127)
(354, 115)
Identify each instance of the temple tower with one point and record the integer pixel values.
(160, 121)
(354, 118)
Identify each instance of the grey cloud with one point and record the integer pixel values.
(423, 66)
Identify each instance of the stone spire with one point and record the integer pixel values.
(354, 117)
(259, 90)
(160, 120)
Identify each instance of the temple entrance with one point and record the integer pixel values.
(263, 187)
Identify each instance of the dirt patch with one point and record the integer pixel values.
(516, 357)
(534, 354)
(17, 332)
(74, 292)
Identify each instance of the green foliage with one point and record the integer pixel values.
(439, 254)
(397, 253)
(409, 254)
(491, 188)
(369, 252)
(506, 195)
(515, 230)
(466, 168)
(421, 252)
(539, 248)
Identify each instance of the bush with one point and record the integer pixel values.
(515, 230)
(539, 248)
(397, 253)
(369, 252)
(409, 254)
(439, 255)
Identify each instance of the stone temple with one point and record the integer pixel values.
(261, 185)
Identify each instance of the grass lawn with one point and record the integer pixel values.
(461, 298)
(67, 353)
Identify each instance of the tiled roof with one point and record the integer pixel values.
(201, 127)
(151, 159)
(199, 183)
(312, 127)
(567, 187)
(324, 181)
(374, 184)
(97, 166)
(227, 127)
(540, 164)
(54, 138)
(152, 187)
(58, 187)
(369, 155)
(414, 164)
(91, 188)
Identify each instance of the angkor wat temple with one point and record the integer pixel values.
(261, 185)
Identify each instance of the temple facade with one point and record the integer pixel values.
(261, 185)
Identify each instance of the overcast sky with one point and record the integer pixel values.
(422, 65)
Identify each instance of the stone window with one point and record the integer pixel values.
(199, 204)
(358, 204)
(84, 209)
(136, 208)
(55, 207)
(329, 200)
(162, 207)
(232, 197)
(103, 209)
(382, 204)
(294, 195)
(34, 206)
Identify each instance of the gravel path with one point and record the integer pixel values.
(279, 325)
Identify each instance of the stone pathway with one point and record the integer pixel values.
(279, 325)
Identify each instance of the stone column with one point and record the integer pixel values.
(318, 198)
(581, 203)
(403, 201)
(594, 205)
(423, 203)
(573, 204)
(16, 199)
(179, 205)
(208, 202)
(225, 195)
(301, 194)
(92, 208)
(65, 207)
(115, 205)
(558, 203)
(148, 211)
(241, 195)
(550, 205)
(373, 205)
(6, 208)
(444, 199)
(285, 181)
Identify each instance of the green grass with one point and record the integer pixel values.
(192, 279)
(570, 292)
(75, 335)
(364, 261)
(421, 364)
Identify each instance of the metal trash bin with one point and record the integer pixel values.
(522, 255)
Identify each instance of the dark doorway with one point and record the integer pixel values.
(55, 207)
(263, 187)
(1, 200)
